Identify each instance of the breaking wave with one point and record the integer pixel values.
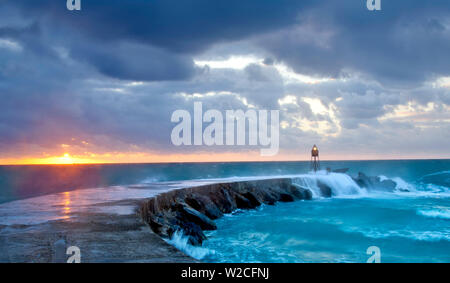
(427, 236)
(435, 213)
(340, 184)
(180, 241)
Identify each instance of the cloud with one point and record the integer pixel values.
(403, 45)
(112, 74)
(137, 62)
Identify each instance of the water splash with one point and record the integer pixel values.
(181, 242)
(442, 213)
(340, 184)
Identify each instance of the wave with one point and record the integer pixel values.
(441, 178)
(426, 236)
(181, 242)
(435, 213)
(344, 186)
(402, 185)
(340, 184)
(437, 173)
(419, 188)
(423, 190)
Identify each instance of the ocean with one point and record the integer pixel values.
(405, 226)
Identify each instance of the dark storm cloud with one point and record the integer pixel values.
(67, 74)
(138, 62)
(165, 27)
(404, 44)
(181, 26)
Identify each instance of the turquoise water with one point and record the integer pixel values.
(18, 182)
(335, 230)
(409, 226)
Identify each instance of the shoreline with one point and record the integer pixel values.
(101, 237)
(140, 235)
(193, 210)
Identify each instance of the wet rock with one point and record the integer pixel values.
(252, 199)
(163, 225)
(388, 185)
(286, 198)
(192, 210)
(325, 190)
(188, 214)
(204, 205)
(306, 193)
(268, 198)
(194, 233)
(193, 202)
(156, 224)
(375, 183)
(300, 192)
(223, 200)
(364, 181)
(242, 202)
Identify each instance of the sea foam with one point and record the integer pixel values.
(340, 184)
(181, 242)
(435, 213)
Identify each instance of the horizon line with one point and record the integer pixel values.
(237, 161)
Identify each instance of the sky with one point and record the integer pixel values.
(101, 84)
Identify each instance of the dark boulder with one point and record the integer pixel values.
(193, 202)
(204, 205)
(300, 192)
(163, 225)
(156, 223)
(268, 197)
(194, 233)
(286, 198)
(375, 183)
(252, 199)
(270, 200)
(246, 201)
(325, 190)
(362, 180)
(192, 210)
(223, 200)
(186, 212)
(388, 185)
(242, 202)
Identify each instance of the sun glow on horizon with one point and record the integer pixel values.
(66, 158)
(134, 158)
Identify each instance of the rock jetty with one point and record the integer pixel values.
(193, 210)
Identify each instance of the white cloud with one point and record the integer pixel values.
(233, 62)
(289, 76)
(10, 45)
